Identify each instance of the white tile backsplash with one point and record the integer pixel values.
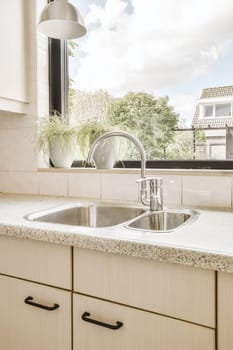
(24, 182)
(204, 191)
(214, 191)
(172, 190)
(5, 149)
(23, 121)
(23, 150)
(5, 120)
(119, 187)
(84, 185)
(54, 184)
(5, 182)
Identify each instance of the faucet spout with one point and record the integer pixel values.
(140, 148)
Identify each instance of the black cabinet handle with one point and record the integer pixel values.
(29, 301)
(85, 317)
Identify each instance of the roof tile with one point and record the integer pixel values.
(221, 91)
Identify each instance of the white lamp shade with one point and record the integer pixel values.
(61, 20)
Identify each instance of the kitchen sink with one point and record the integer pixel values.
(90, 215)
(163, 221)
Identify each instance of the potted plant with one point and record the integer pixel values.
(105, 154)
(58, 139)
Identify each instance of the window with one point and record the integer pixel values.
(209, 111)
(218, 110)
(138, 70)
(223, 110)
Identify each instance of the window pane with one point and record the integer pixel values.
(208, 111)
(223, 110)
(137, 70)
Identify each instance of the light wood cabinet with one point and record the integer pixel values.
(36, 261)
(169, 289)
(140, 330)
(162, 306)
(13, 58)
(26, 327)
(225, 311)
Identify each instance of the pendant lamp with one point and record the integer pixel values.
(61, 20)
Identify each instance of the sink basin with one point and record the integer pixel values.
(163, 221)
(90, 215)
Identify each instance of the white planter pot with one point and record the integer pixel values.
(105, 154)
(60, 156)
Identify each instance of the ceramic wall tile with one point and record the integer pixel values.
(24, 150)
(214, 191)
(24, 182)
(84, 185)
(5, 120)
(24, 121)
(5, 182)
(172, 190)
(53, 184)
(120, 187)
(5, 149)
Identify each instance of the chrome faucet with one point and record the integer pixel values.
(155, 201)
(156, 192)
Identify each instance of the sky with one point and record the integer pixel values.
(169, 47)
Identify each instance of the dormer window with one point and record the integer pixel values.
(216, 110)
(223, 110)
(208, 111)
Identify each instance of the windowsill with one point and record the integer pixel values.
(207, 172)
(216, 117)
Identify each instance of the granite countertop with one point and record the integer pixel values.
(206, 243)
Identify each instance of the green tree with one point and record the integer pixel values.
(182, 147)
(151, 119)
(90, 105)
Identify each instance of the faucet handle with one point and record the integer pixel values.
(155, 201)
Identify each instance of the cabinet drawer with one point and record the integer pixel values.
(170, 289)
(36, 261)
(26, 327)
(141, 330)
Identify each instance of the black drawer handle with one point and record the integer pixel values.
(29, 301)
(85, 317)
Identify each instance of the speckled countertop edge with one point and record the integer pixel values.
(157, 252)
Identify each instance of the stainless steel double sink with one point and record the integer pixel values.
(94, 215)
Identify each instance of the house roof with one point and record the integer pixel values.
(221, 91)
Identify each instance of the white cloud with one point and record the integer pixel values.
(159, 44)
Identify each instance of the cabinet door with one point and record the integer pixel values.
(140, 330)
(225, 311)
(13, 58)
(36, 261)
(27, 327)
(173, 290)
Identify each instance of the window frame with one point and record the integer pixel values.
(214, 105)
(204, 110)
(58, 101)
(223, 116)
